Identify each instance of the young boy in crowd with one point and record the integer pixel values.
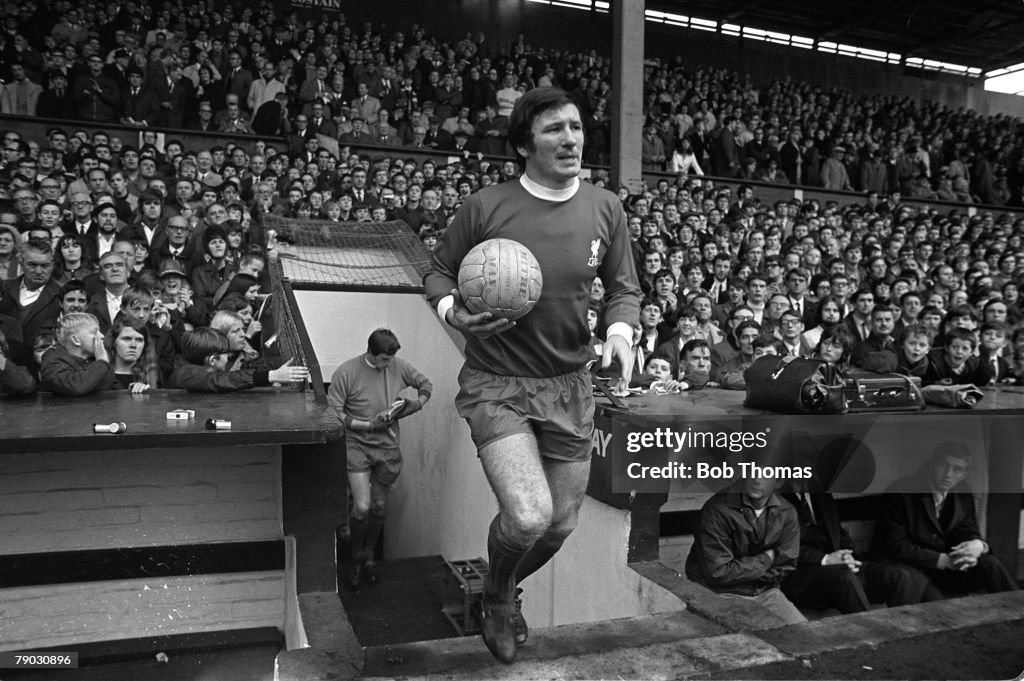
(991, 350)
(207, 353)
(659, 368)
(956, 363)
(912, 358)
(931, 318)
(79, 364)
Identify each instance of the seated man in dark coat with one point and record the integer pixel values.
(929, 524)
(747, 541)
(829, 573)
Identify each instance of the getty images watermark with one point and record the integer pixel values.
(864, 454)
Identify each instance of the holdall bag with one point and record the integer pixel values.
(794, 385)
(884, 392)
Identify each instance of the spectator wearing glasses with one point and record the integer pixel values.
(25, 202)
(50, 189)
(204, 123)
(177, 246)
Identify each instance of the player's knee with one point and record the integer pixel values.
(360, 508)
(529, 524)
(378, 507)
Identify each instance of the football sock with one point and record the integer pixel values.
(503, 557)
(358, 527)
(537, 557)
(374, 527)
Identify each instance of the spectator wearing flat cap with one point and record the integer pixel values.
(833, 171)
(118, 69)
(437, 137)
(359, 134)
(179, 299)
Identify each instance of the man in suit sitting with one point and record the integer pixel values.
(829, 573)
(929, 523)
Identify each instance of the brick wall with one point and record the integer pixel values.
(161, 497)
(91, 500)
(65, 614)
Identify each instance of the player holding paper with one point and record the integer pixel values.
(364, 395)
(525, 388)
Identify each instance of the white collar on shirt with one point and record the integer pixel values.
(541, 192)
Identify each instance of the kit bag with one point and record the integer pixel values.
(794, 385)
(884, 392)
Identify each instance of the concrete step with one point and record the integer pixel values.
(681, 645)
(638, 647)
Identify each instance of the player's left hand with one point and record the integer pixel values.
(618, 347)
(410, 408)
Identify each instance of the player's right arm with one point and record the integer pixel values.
(442, 281)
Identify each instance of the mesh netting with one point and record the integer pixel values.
(289, 339)
(349, 253)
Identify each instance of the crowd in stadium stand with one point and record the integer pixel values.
(342, 105)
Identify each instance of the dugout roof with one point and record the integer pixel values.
(987, 34)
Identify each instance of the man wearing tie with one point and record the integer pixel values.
(238, 80)
(365, 104)
(929, 524)
(177, 246)
(388, 90)
(796, 287)
(829, 574)
(320, 125)
(859, 321)
(140, 105)
(314, 88)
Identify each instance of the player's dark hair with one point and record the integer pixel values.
(383, 342)
(532, 104)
